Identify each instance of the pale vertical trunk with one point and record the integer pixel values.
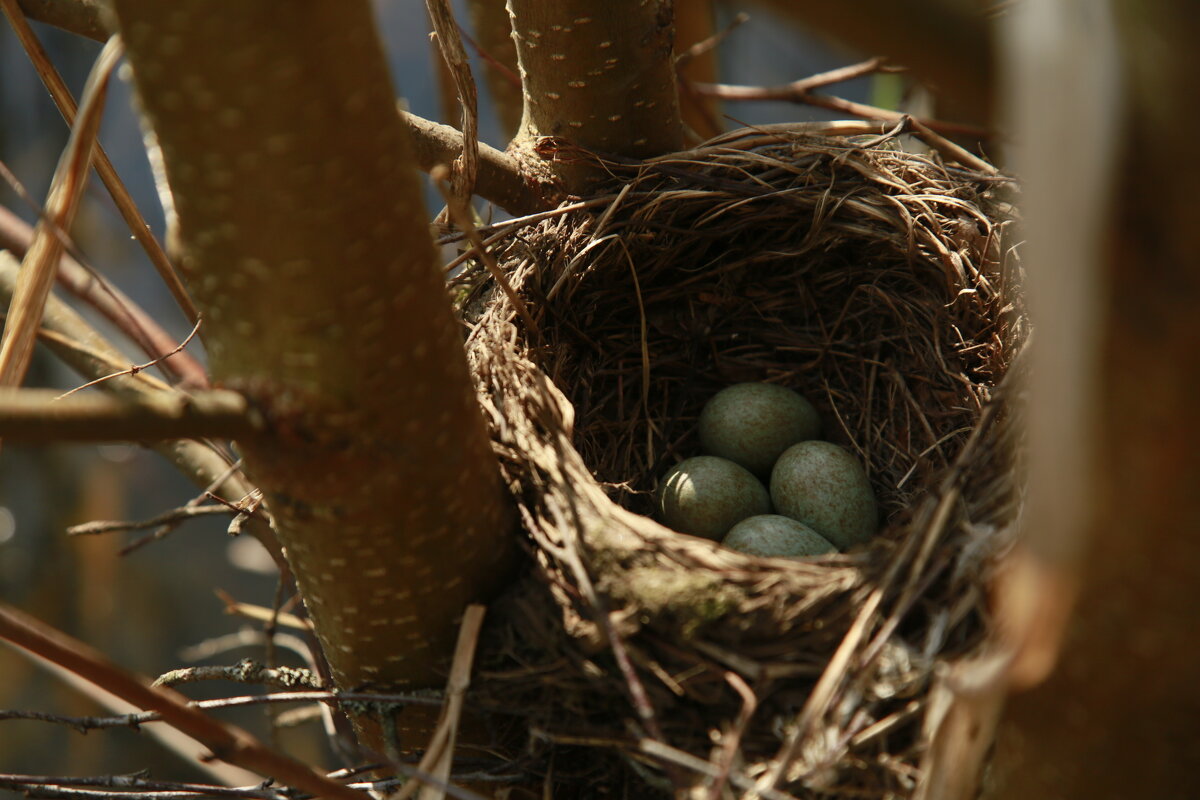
(597, 75)
(1117, 718)
(300, 228)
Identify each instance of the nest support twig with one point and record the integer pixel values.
(876, 282)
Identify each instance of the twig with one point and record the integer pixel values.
(790, 91)
(439, 755)
(136, 368)
(174, 515)
(790, 94)
(135, 720)
(104, 168)
(499, 177)
(166, 528)
(261, 613)
(245, 671)
(499, 66)
(948, 149)
(466, 167)
(141, 787)
(227, 742)
(87, 352)
(41, 262)
(38, 415)
(94, 289)
(703, 46)
(463, 220)
(732, 739)
(672, 755)
(124, 787)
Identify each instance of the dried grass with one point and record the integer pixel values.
(872, 280)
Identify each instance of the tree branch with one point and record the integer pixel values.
(493, 41)
(323, 304)
(499, 178)
(42, 415)
(108, 174)
(119, 309)
(947, 43)
(82, 348)
(227, 742)
(81, 17)
(40, 265)
(598, 76)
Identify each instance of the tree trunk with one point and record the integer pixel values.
(1117, 717)
(297, 219)
(596, 75)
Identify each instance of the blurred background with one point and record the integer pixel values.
(151, 608)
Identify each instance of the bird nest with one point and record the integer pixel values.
(875, 282)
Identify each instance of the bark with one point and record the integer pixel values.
(298, 219)
(1117, 717)
(499, 178)
(44, 415)
(82, 17)
(598, 76)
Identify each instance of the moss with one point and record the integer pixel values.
(688, 599)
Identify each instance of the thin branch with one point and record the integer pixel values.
(948, 45)
(227, 742)
(801, 92)
(94, 289)
(245, 671)
(137, 719)
(262, 613)
(462, 219)
(140, 787)
(465, 168)
(40, 265)
(42, 415)
(81, 17)
(439, 755)
(706, 45)
(79, 345)
(108, 174)
(493, 42)
(499, 178)
(174, 515)
(135, 368)
(167, 528)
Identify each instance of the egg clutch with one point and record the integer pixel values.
(763, 454)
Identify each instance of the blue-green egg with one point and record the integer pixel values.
(751, 424)
(776, 536)
(823, 486)
(706, 496)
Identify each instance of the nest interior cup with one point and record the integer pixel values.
(875, 282)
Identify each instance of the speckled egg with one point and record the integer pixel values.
(775, 536)
(823, 486)
(753, 423)
(706, 496)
